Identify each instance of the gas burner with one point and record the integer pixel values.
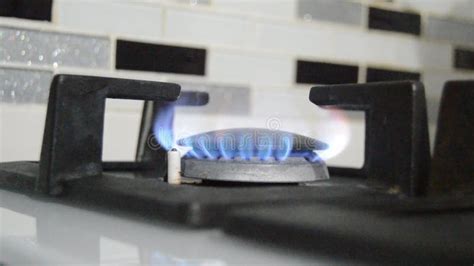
(254, 155)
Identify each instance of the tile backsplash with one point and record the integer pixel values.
(257, 59)
(224, 99)
(325, 10)
(464, 58)
(325, 73)
(36, 10)
(49, 48)
(396, 21)
(160, 58)
(24, 86)
(449, 29)
(379, 74)
(122, 18)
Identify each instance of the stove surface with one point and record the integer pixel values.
(42, 232)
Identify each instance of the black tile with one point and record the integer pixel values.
(377, 74)
(28, 9)
(325, 73)
(160, 58)
(381, 19)
(463, 59)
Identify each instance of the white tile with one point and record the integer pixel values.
(313, 39)
(435, 55)
(454, 8)
(111, 17)
(456, 31)
(193, 2)
(121, 130)
(123, 105)
(411, 53)
(392, 50)
(278, 8)
(282, 103)
(249, 68)
(21, 128)
(350, 45)
(208, 28)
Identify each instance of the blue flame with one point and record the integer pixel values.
(310, 156)
(246, 144)
(264, 147)
(286, 146)
(243, 143)
(226, 146)
(246, 147)
(203, 142)
(163, 126)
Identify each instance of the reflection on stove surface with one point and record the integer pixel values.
(38, 231)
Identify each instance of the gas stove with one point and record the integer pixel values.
(270, 186)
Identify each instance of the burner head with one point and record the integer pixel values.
(253, 155)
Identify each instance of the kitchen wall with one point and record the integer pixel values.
(257, 59)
